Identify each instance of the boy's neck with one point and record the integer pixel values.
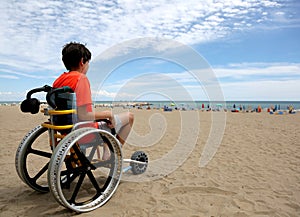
(75, 71)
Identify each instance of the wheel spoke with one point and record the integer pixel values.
(69, 176)
(93, 181)
(92, 153)
(78, 185)
(40, 153)
(83, 159)
(41, 172)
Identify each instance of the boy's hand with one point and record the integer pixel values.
(111, 124)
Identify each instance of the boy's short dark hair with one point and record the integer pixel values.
(72, 54)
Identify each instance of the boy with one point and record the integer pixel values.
(76, 57)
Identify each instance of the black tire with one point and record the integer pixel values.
(137, 168)
(32, 159)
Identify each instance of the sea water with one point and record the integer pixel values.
(198, 105)
(193, 105)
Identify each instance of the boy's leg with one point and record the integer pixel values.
(124, 122)
(106, 152)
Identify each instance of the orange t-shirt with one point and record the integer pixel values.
(79, 84)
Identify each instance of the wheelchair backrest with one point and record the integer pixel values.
(62, 98)
(65, 101)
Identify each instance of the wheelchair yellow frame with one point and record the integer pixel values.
(54, 128)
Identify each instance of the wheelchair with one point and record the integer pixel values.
(64, 156)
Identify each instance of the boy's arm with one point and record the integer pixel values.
(84, 115)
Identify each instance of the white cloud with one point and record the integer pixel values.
(9, 76)
(11, 96)
(263, 90)
(37, 29)
(103, 93)
(271, 70)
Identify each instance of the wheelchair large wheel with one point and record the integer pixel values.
(32, 159)
(78, 178)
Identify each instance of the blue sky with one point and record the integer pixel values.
(253, 47)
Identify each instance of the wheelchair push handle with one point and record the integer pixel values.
(45, 88)
(50, 99)
(32, 105)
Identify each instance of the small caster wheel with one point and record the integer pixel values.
(137, 168)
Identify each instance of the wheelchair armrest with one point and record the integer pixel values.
(82, 123)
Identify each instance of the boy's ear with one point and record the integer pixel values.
(81, 62)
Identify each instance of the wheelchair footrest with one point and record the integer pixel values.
(127, 169)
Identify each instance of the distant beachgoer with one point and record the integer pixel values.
(291, 109)
(208, 107)
(258, 108)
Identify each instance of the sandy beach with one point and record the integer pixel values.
(255, 171)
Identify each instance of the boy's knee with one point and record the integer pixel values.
(131, 116)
